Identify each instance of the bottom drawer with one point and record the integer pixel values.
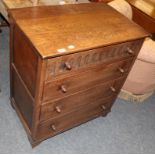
(78, 116)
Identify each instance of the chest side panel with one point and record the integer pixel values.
(25, 60)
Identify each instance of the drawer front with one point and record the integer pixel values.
(72, 62)
(75, 118)
(65, 86)
(68, 104)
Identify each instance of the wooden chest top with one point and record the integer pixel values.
(60, 30)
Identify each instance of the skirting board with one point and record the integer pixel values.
(128, 96)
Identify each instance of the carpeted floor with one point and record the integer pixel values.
(129, 128)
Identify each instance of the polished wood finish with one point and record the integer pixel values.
(90, 58)
(88, 95)
(70, 27)
(50, 86)
(69, 84)
(76, 117)
(28, 60)
(144, 14)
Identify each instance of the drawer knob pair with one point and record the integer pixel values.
(68, 66)
(113, 89)
(58, 109)
(121, 70)
(130, 51)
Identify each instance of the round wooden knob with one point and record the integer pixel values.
(121, 70)
(68, 66)
(63, 88)
(103, 107)
(130, 51)
(113, 89)
(58, 109)
(53, 127)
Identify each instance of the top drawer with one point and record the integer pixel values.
(72, 62)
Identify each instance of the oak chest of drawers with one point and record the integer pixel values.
(68, 63)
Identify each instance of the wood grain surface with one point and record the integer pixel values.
(68, 64)
(59, 30)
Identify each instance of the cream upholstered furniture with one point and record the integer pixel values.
(141, 81)
(123, 7)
